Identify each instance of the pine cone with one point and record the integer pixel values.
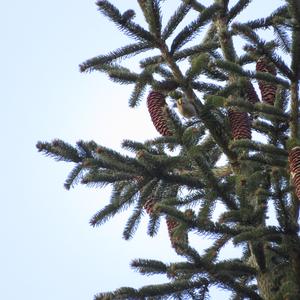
(182, 237)
(294, 162)
(149, 205)
(156, 106)
(251, 94)
(267, 89)
(171, 225)
(240, 124)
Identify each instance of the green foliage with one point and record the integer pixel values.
(124, 52)
(151, 10)
(175, 20)
(184, 177)
(127, 26)
(238, 8)
(189, 32)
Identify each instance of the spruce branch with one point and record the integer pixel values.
(294, 120)
(152, 13)
(103, 178)
(86, 149)
(211, 253)
(207, 207)
(294, 10)
(258, 107)
(233, 285)
(175, 20)
(206, 87)
(145, 78)
(105, 214)
(127, 26)
(238, 70)
(124, 52)
(117, 73)
(134, 146)
(210, 179)
(184, 180)
(264, 127)
(188, 201)
(165, 86)
(257, 146)
(204, 47)
(180, 54)
(283, 39)
(268, 233)
(124, 195)
(195, 5)
(244, 216)
(224, 36)
(265, 160)
(152, 60)
(149, 266)
(59, 150)
(74, 176)
(261, 48)
(204, 227)
(235, 267)
(281, 205)
(116, 161)
(190, 31)
(238, 8)
(132, 223)
(245, 59)
(153, 225)
(280, 13)
(176, 288)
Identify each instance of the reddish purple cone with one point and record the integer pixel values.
(294, 163)
(240, 124)
(149, 205)
(156, 104)
(172, 224)
(267, 89)
(251, 94)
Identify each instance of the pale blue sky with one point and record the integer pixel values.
(48, 250)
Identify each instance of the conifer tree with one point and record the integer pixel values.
(177, 177)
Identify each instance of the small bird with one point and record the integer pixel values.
(186, 108)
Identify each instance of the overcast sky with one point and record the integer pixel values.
(48, 250)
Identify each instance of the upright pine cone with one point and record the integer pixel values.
(180, 237)
(240, 124)
(149, 205)
(294, 162)
(267, 89)
(157, 108)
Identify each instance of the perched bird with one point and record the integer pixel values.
(186, 108)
